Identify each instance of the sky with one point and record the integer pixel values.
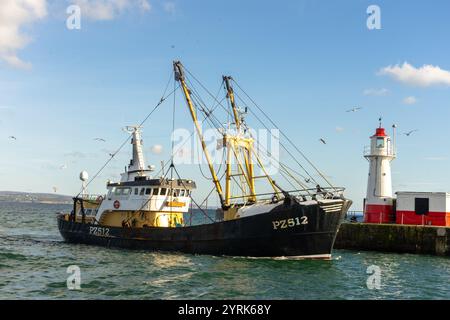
(305, 62)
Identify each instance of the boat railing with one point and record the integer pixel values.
(92, 197)
(306, 194)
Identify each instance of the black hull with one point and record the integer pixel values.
(280, 232)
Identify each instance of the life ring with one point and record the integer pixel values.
(99, 199)
(116, 204)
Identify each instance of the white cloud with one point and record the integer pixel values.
(14, 14)
(101, 9)
(376, 92)
(108, 9)
(410, 100)
(339, 129)
(157, 149)
(17, 14)
(425, 76)
(145, 5)
(169, 7)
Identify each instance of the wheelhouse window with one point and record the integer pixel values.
(155, 191)
(142, 192)
(380, 143)
(148, 191)
(163, 191)
(182, 192)
(122, 191)
(136, 191)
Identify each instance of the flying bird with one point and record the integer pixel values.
(100, 139)
(410, 132)
(307, 180)
(354, 109)
(322, 140)
(12, 138)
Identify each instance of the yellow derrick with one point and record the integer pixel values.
(239, 146)
(187, 94)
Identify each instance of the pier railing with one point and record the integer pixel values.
(354, 216)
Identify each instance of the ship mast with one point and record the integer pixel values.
(136, 167)
(247, 151)
(239, 141)
(137, 163)
(179, 76)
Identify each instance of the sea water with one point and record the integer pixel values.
(34, 264)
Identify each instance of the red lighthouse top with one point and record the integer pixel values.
(380, 132)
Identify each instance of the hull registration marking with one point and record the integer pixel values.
(290, 223)
(99, 231)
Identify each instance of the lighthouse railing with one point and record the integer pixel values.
(388, 151)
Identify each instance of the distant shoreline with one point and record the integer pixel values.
(29, 197)
(38, 202)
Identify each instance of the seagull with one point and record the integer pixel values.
(307, 180)
(410, 132)
(322, 140)
(100, 139)
(354, 109)
(12, 137)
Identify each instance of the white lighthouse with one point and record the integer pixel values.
(379, 201)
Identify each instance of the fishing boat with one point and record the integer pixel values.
(149, 213)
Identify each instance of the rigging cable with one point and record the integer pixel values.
(228, 112)
(207, 91)
(283, 166)
(282, 145)
(287, 138)
(163, 98)
(302, 154)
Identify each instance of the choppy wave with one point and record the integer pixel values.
(34, 261)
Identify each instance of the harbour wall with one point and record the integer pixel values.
(394, 238)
